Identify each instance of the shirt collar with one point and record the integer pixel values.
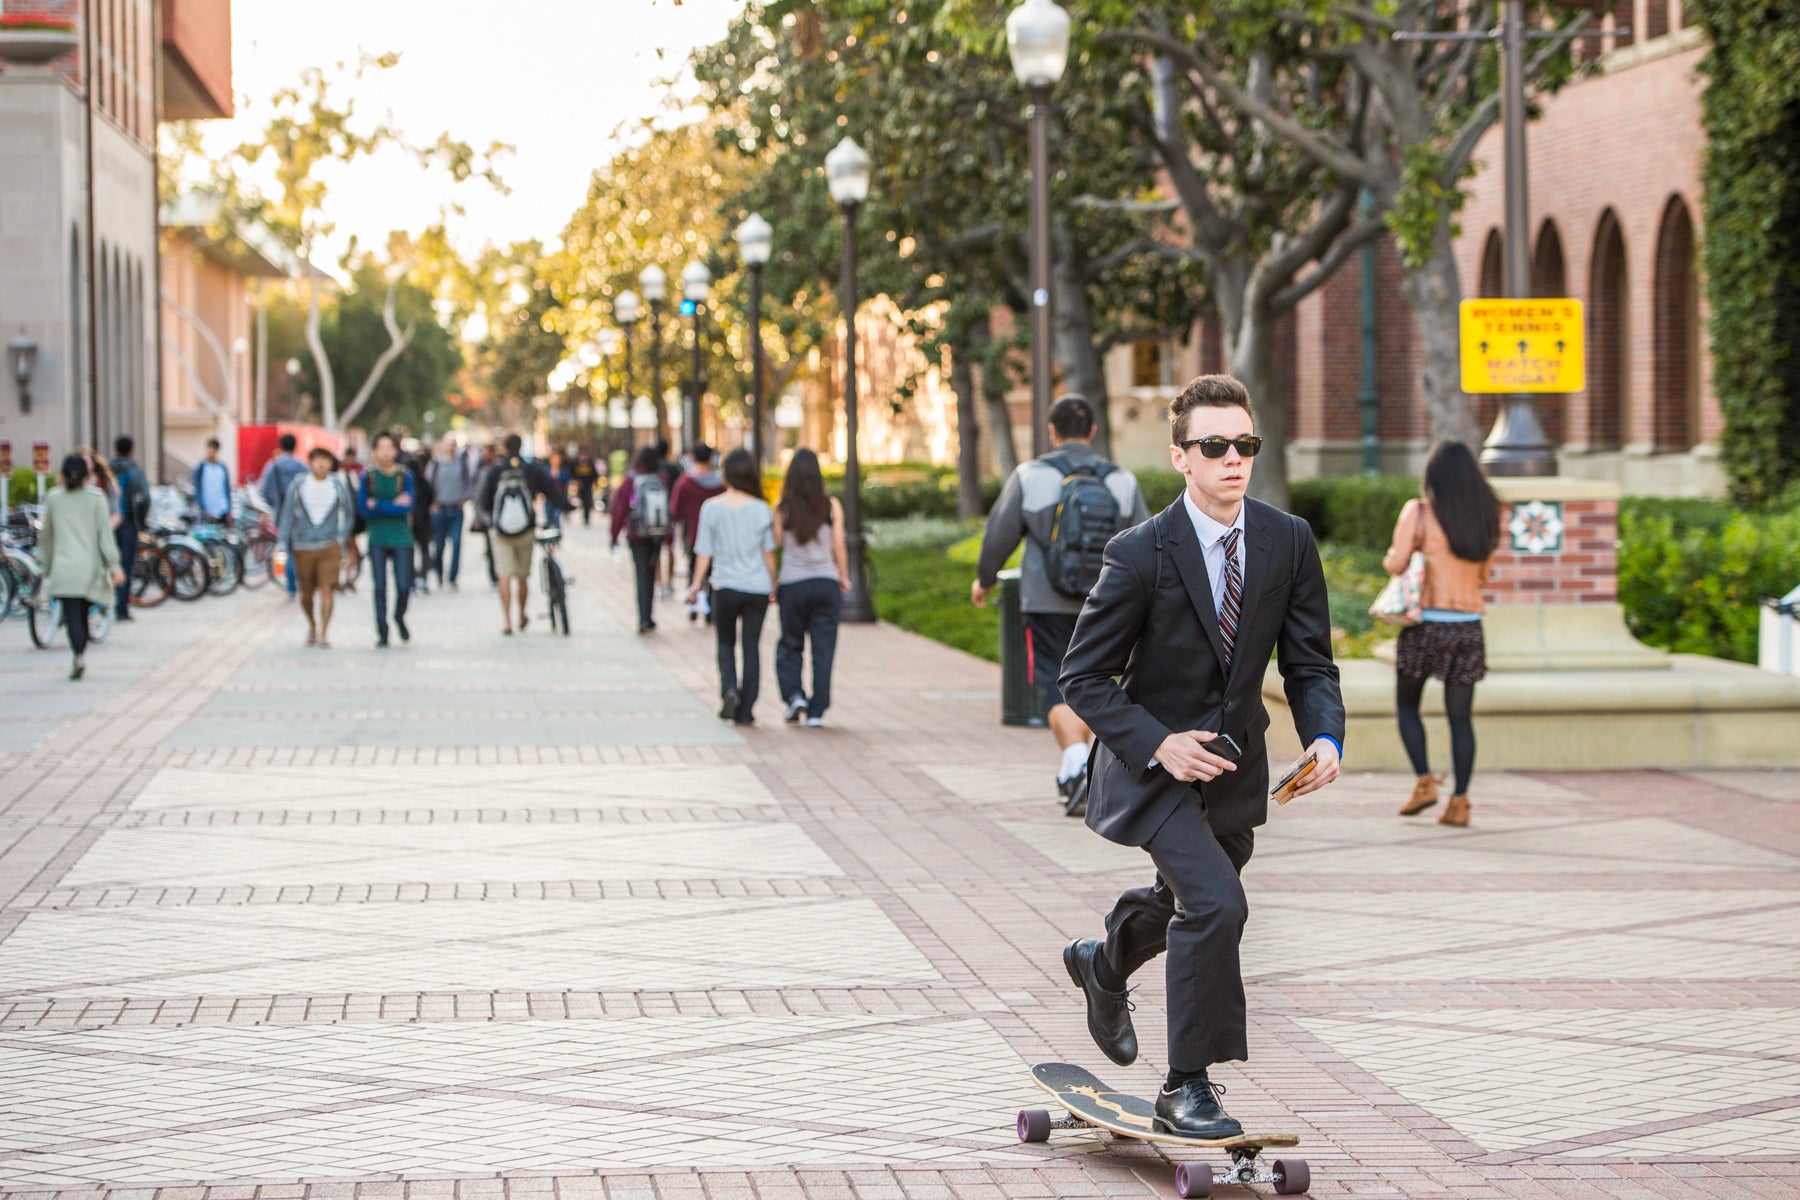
(1208, 530)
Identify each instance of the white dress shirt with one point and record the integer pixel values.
(1212, 545)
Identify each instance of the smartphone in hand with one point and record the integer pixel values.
(1294, 776)
(1226, 747)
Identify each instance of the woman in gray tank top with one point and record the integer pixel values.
(815, 574)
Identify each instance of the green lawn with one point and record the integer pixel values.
(922, 568)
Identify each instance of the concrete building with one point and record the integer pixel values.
(78, 209)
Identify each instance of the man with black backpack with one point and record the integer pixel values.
(1066, 506)
(507, 508)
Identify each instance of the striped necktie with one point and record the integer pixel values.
(1232, 606)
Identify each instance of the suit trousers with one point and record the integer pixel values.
(1195, 911)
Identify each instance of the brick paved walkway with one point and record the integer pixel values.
(486, 917)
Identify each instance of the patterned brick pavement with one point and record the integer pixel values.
(485, 917)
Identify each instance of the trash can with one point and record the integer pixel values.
(1021, 700)
(1778, 640)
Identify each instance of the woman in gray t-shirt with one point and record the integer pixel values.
(736, 547)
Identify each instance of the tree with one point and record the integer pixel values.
(663, 200)
(1412, 148)
(946, 219)
(310, 127)
(357, 332)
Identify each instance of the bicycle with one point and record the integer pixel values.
(20, 573)
(46, 620)
(152, 574)
(224, 554)
(556, 584)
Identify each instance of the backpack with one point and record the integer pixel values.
(649, 507)
(512, 503)
(1086, 518)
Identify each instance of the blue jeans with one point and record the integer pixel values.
(446, 526)
(293, 577)
(402, 558)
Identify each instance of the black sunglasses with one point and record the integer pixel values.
(1215, 446)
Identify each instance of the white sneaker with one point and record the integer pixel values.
(815, 722)
(796, 709)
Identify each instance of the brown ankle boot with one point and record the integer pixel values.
(1424, 795)
(1456, 812)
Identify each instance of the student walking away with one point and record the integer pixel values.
(736, 548)
(670, 471)
(317, 515)
(698, 484)
(278, 479)
(424, 500)
(1066, 505)
(212, 486)
(640, 513)
(815, 576)
(1167, 667)
(1456, 525)
(586, 476)
(385, 500)
(452, 480)
(80, 553)
(134, 518)
(509, 510)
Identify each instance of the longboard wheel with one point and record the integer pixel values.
(1292, 1175)
(1034, 1125)
(1192, 1182)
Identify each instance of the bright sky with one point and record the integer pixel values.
(554, 78)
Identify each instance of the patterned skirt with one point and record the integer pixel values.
(1453, 651)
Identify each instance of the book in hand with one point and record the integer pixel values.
(1297, 773)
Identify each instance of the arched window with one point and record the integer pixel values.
(1609, 336)
(1492, 284)
(1548, 279)
(1673, 416)
(1493, 266)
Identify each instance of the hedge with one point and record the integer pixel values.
(1751, 251)
(1690, 576)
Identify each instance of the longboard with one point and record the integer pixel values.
(1094, 1105)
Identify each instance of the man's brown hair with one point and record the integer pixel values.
(1208, 391)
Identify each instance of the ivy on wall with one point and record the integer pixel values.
(1752, 246)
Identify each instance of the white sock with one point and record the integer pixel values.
(1073, 759)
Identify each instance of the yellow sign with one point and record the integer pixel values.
(1523, 346)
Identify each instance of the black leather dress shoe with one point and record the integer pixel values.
(1075, 794)
(1108, 1013)
(1192, 1110)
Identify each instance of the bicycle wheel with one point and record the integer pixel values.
(227, 569)
(256, 556)
(100, 622)
(9, 591)
(152, 577)
(27, 578)
(192, 573)
(46, 623)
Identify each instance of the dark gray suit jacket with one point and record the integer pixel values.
(1146, 661)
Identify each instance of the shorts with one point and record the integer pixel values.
(317, 570)
(512, 554)
(1047, 637)
(1453, 651)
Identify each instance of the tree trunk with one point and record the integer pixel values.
(1435, 294)
(968, 434)
(993, 388)
(1251, 347)
(1083, 368)
(316, 343)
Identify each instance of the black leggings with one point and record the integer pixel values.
(75, 620)
(1459, 706)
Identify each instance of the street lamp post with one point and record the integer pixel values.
(755, 240)
(609, 345)
(696, 284)
(1037, 37)
(847, 175)
(625, 311)
(654, 282)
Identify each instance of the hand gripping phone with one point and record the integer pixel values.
(1226, 747)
